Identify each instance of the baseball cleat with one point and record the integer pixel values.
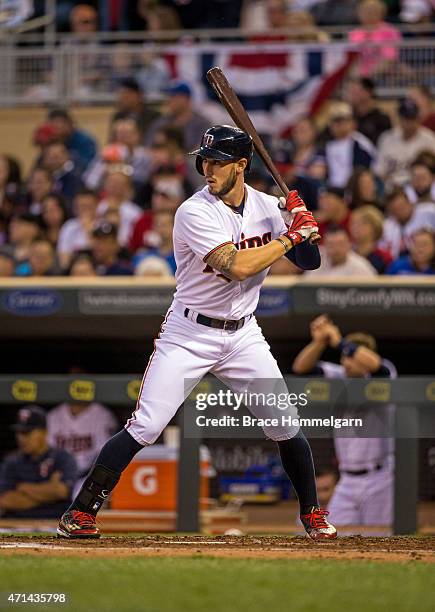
(76, 524)
(316, 525)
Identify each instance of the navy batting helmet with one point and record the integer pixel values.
(226, 143)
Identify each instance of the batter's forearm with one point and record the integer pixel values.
(240, 265)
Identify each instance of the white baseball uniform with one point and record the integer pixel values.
(364, 493)
(186, 350)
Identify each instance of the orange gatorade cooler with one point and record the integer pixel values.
(150, 481)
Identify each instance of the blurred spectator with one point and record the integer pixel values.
(66, 175)
(153, 266)
(76, 233)
(304, 28)
(24, 228)
(54, 215)
(421, 187)
(362, 188)
(130, 103)
(37, 480)
(399, 146)
(306, 157)
(162, 19)
(39, 185)
(364, 493)
(78, 142)
(160, 242)
(10, 183)
(333, 210)
(326, 480)
(7, 262)
(125, 147)
(422, 96)
(106, 251)
(307, 187)
(118, 190)
(338, 259)
(348, 148)
(191, 13)
(167, 193)
(81, 429)
(15, 12)
(370, 120)
(421, 258)
(181, 113)
(42, 259)
(82, 264)
(416, 11)
(83, 21)
(403, 220)
(375, 57)
(366, 227)
(153, 76)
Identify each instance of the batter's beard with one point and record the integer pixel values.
(227, 186)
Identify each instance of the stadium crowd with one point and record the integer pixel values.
(83, 211)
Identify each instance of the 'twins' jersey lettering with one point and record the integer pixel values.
(204, 223)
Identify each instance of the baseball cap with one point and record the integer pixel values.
(408, 109)
(179, 87)
(30, 417)
(104, 228)
(45, 134)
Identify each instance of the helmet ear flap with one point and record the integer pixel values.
(198, 165)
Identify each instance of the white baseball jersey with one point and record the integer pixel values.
(202, 224)
(83, 434)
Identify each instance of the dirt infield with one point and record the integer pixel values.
(404, 548)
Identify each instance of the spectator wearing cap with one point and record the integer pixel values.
(106, 251)
(167, 193)
(421, 257)
(180, 112)
(24, 228)
(130, 103)
(369, 119)
(35, 481)
(376, 54)
(7, 262)
(125, 148)
(78, 142)
(39, 185)
(348, 148)
(338, 259)
(403, 220)
(399, 146)
(64, 170)
(333, 210)
(118, 190)
(421, 187)
(422, 96)
(75, 234)
(366, 226)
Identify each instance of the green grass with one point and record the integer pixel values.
(205, 584)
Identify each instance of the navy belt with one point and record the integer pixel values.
(230, 325)
(363, 472)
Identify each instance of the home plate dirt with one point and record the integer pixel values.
(397, 548)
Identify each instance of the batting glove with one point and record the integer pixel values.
(302, 234)
(290, 206)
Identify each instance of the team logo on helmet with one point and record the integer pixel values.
(208, 140)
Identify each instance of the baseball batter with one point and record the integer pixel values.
(226, 237)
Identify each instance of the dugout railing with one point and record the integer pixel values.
(413, 399)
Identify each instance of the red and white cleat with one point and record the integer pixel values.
(76, 524)
(316, 525)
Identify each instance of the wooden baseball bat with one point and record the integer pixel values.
(238, 114)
